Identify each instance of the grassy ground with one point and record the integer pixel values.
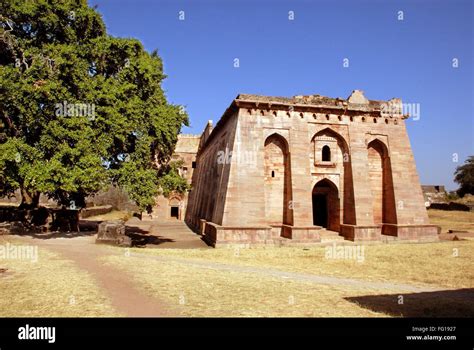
(113, 215)
(467, 199)
(49, 287)
(54, 286)
(217, 293)
(197, 292)
(452, 220)
(212, 292)
(446, 264)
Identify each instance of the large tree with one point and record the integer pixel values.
(464, 176)
(79, 109)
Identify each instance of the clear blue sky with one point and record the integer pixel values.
(410, 59)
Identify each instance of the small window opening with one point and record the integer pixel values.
(326, 154)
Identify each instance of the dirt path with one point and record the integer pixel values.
(175, 234)
(118, 286)
(129, 300)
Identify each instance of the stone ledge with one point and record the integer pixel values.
(302, 233)
(217, 235)
(361, 233)
(412, 232)
(419, 233)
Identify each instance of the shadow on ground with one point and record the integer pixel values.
(86, 228)
(446, 303)
(141, 237)
(150, 234)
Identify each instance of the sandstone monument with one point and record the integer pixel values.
(290, 169)
(174, 207)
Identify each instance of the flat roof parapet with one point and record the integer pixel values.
(189, 136)
(355, 102)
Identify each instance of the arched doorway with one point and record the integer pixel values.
(326, 205)
(174, 208)
(330, 155)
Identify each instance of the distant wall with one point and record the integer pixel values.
(93, 211)
(433, 188)
(115, 197)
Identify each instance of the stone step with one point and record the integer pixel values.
(387, 238)
(330, 236)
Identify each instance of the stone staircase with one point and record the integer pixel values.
(330, 236)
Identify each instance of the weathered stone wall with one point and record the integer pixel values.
(93, 211)
(210, 179)
(376, 171)
(276, 183)
(174, 207)
(285, 152)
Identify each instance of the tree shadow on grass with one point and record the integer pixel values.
(445, 303)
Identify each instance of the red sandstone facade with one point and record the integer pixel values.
(289, 169)
(174, 207)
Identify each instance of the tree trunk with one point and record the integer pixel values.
(29, 199)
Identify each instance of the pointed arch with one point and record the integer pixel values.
(326, 153)
(340, 161)
(326, 205)
(332, 133)
(381, 183)
(277, 177)
(280, 138)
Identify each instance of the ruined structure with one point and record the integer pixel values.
(289, 169)
(433, 194)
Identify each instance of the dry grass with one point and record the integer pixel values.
(45, 288)
(467, 199)
(444, 264)
(113, 215)
(50, 287)
(211, 293)
(452, 220)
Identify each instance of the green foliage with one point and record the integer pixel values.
(141, 184)
(171, 181)
(464, 176)
(80, 109)
(451, 196)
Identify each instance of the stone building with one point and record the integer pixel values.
(433, 194)
(292, 169)
(174, 207)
